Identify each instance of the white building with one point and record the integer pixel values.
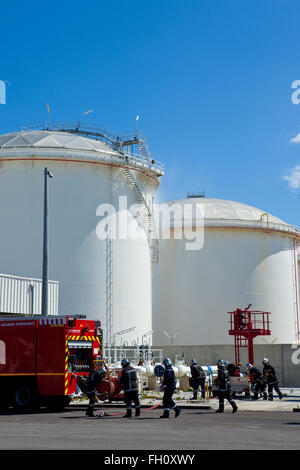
(24, 295)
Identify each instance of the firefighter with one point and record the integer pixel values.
(233, 370)
(239, 319)
(88, 387)
(224, 387)
(168, 387)
(258, 382)
(129, 384)
(271, 379)
(237, 371)
(197, 380)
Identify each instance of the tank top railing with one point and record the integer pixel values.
(120, 144)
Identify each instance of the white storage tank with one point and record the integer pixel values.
(24, 295)
(104, 279)
(247, 257)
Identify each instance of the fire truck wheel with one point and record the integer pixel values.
(25, 397)
(4, 402)
(58, 403)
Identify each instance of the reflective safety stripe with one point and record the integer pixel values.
(50, 373)
(66, 366)
(82, 338)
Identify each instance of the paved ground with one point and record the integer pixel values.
(192, 430)
(273, 426)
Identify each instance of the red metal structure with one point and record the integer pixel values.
(245, 325)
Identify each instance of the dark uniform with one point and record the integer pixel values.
(258, 384)
(197, 380)
(130, 386)
(234, 371)
(168, 387)
(224, 387)
(271, 379)
(88, 387)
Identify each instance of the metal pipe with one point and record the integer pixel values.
(261, 217)
(180, 370)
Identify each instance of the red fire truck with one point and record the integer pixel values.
(41, 358)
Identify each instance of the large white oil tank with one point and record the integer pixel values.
(108, 279)
(243, 256)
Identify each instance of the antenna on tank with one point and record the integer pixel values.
(84, 114)
(136, 125)
(48, 109)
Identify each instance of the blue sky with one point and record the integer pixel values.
(210, 79)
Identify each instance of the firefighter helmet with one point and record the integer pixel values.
(167, 362)
(102, 371)
(265, 361)
(124, 362)
(220, 362)
(193, 362)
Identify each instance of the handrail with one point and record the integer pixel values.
(116, 142)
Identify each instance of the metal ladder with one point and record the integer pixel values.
(147, 216)
(109, 287)
(144, 149)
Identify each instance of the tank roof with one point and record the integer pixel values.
(223, 209)
(221, 212)
(50, 139)
(52, 143)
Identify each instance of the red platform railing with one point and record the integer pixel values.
(245, 325)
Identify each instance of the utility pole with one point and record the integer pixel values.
(47, 174)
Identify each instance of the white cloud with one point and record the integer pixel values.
(293, 178)
(296, 139)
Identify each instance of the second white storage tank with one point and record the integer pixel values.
(247, 256)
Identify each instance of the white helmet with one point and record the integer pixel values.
(102, 371)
